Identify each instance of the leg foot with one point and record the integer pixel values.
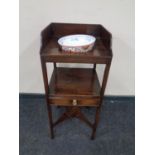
(52, 136)
(95, 123)
(49, 108)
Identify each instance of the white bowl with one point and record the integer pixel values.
(77, 43)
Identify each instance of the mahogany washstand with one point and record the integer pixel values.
(74, 88)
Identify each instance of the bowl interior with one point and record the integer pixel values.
(76, 40)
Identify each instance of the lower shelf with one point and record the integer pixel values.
(74, 84)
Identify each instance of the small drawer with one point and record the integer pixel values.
(89, 102)
(75, 102)
(61, 102)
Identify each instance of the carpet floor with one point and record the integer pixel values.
(115, 133)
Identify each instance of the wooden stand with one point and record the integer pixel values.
(74, 88)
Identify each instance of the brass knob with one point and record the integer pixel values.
(74, 102)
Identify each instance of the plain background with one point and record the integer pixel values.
(115, 15)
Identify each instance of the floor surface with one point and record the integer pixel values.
(115, 132)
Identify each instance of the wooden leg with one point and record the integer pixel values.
(95, 123)
(104, 82)
(49, 108)
(55, 65)
(94, 67)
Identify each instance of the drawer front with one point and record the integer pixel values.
(89, 102)
(60, 102)
(75, 102)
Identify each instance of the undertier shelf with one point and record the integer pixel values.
(74, 82)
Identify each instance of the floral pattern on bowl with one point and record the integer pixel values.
(77, 43)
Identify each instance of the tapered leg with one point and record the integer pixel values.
(95, 123)
(104, 82)
(49, 108)
(94, 67)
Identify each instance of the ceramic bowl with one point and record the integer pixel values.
(77, 43)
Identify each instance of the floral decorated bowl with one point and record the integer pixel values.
(78, 43)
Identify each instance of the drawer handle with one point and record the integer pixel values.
(74, 102)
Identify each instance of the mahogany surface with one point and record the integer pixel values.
(74, 82)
